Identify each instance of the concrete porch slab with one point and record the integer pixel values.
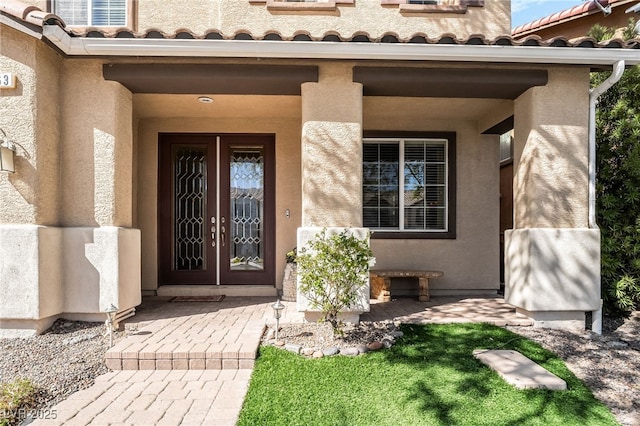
(519, 370)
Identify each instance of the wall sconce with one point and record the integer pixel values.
(7, 154)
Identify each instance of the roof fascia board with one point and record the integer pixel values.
(124, 47)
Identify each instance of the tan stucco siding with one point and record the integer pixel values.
(332, 149)
(231, 16)
(30, 117)
(97, 148)
(551, 152)
(471, 260)
(285, 126)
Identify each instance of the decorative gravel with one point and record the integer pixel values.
(63, 360)
(609, 363)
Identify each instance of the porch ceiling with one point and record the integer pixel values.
(405, 112)
(223, 106)
(375, 108)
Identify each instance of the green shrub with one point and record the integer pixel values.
(618, 187)
(332, 268)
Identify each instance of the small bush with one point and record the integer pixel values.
(292, 256)
(332, 269)
(15, 395)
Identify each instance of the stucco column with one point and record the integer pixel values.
(332, 149)
(332, 167)
(552, 259)
(31, 289)
(97, 148)
(551, 152)
(102, 251)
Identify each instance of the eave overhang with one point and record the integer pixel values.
(151, 47)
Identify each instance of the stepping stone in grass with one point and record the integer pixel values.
(519, 370)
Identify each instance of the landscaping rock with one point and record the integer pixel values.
(279, 343)
(293, 348)
(317, 354)
(375, 346)
(349, 351)
(362, 349)
(330, 351)
(311, 337)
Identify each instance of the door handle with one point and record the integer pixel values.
(213, 231)
(222, 231)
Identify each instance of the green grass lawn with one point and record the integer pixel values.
(429, 377)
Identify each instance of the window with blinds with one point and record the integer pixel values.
(98, 13)
(405, 185)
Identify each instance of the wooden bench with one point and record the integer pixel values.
(381, 282)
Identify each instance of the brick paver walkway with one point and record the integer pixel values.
(163, 377)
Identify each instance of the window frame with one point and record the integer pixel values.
(460, 6)
(130, 16)
(450, 137)
(302, 5)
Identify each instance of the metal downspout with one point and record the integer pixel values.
(594, 94)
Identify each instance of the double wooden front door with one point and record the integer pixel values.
(216, 209)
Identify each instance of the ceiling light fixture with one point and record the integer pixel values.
(205, 99)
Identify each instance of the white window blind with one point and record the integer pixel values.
(405, 185)
(99, 13)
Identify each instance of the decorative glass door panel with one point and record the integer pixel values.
(216, 209)
(189, 201)
(247, 215)
(246, 195)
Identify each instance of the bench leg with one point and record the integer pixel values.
(424, 289)
(385, 295)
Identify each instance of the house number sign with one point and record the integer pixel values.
(7, 80)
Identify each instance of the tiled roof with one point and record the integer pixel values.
(29, 14)
(35, 16)
(586, 8)
(362, 37)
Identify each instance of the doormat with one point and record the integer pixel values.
(197, 298)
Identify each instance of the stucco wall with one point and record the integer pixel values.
(471, 261)
(97, 151)
(245, 114)
(551, 152)
(231, 16)
(73, 134)
(332, 149)
(32, 194)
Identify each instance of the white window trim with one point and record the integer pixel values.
(401, 144)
